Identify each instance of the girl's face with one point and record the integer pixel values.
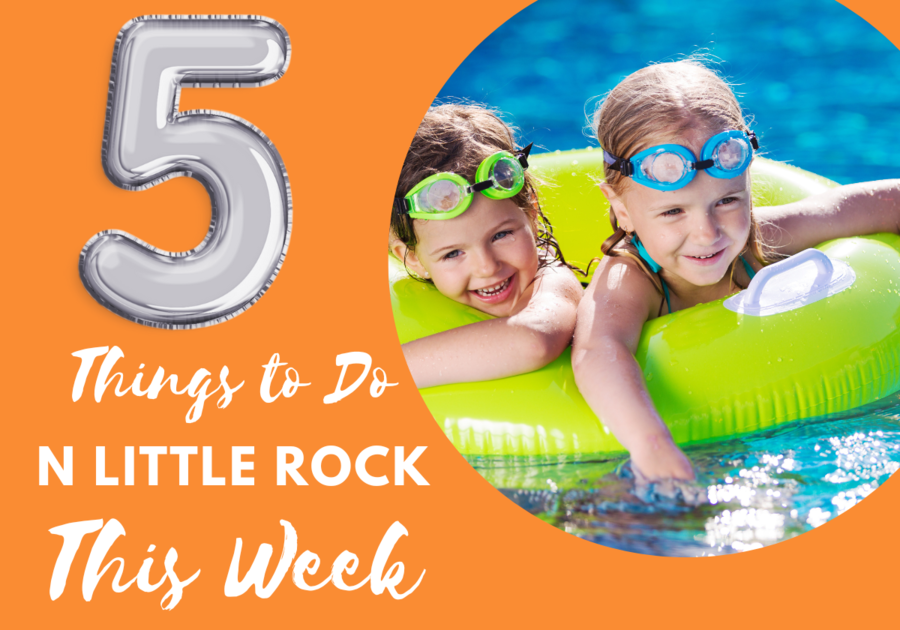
(485, 258)
(693, 233)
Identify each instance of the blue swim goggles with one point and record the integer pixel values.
(671, 166)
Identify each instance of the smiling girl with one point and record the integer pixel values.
(677, 153)
(466, 218)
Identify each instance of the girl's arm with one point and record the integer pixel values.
(496, 348)
(613, 311)
(846, 211)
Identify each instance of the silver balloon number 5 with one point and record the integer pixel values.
(147, 141)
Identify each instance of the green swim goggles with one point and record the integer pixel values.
(447, 195)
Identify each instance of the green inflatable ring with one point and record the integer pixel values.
(712, 373)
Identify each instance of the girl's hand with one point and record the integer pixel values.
(670, 487)
(657, 458)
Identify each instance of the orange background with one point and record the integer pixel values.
(360, 78)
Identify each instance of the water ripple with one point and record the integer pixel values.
(760, 488)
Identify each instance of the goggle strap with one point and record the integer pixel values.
(699, 166)
(523, 155)
(753, 141)
(623, 166)
(614, 163)
(481, 186)
(401, 205)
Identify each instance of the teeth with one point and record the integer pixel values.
(704, 257)
(494, 290)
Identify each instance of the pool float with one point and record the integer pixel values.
(715, 370)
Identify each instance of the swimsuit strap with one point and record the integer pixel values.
(748, 268)
(666, 291)
(654, 266)
(644, 255)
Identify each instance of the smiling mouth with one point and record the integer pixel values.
(493, 291)
(709, 258)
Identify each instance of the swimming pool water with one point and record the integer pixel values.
(821, 84)
(756, 490)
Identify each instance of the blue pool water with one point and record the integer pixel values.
(754, 491)
(823, 88)
(822, 84)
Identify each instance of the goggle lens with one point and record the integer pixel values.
(664, 167)
(441, 196)
(507, 174)
(731, 154)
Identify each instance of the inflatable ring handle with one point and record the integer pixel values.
(824, 267)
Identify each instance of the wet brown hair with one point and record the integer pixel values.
(456, 138)
(651, 105)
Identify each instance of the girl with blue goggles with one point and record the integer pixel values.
(697, 246)
(671, 166)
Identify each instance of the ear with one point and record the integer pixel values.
(617, 207)
(408, 256)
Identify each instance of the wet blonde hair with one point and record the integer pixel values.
(456, 138)
(651, 105)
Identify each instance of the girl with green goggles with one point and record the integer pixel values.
(447, 195)
(498, 256)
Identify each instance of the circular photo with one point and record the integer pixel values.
(645, 267)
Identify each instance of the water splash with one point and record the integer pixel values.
(760, 489)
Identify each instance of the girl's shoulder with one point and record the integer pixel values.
(551, 301)
(621, 287)
(559, 279)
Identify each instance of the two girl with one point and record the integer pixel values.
(677, 152)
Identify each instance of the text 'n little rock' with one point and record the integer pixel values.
(195, 466)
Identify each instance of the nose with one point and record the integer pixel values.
(706, 228)
(486, 263)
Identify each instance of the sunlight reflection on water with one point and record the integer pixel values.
(761, 488)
